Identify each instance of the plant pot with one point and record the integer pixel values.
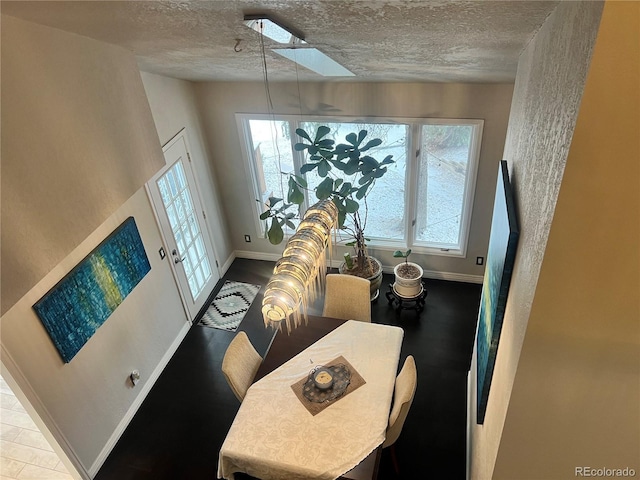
(375, 279)
(408, 282)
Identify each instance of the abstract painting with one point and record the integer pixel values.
(497, 277)
(81, 302)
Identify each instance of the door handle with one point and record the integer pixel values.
(177, 259)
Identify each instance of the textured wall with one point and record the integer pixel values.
(77, 141)
(575, 397)
(220, 102)
(546, 98)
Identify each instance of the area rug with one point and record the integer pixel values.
(229, 306)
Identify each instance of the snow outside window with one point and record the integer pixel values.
(424, 200)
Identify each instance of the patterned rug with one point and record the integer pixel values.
(230, 305)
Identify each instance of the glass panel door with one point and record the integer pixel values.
(174, 194)
(185, 228)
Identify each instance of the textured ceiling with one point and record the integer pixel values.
(379, 40)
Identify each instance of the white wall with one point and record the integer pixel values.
(576, 396)
(77, 142)
(549, 85)
(174, 107)
(84, 401)
(75, 154)
(218, 103)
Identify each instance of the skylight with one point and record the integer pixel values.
(314, 60)
(272, 30)
(296, 50)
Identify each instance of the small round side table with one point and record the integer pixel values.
(407, 303)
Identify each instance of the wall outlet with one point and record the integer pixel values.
(479, 260)
(247, 238)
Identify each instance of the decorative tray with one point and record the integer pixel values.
(341, 379)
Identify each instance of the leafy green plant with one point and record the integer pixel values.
(401, 254)
(348, 189)
(279, 218)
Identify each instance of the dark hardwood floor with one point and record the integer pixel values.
(177, 432)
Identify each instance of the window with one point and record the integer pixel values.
(382, 220)
(272, 156)
(444, 184)
(427, 196)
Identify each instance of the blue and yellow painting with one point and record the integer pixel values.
(497, 277)
(81, 302)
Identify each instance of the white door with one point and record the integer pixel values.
(174, 193)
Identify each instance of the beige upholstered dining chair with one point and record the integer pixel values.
(347, 297)
(405, 389)
(240, 364)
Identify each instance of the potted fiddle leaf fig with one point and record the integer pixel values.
(408, 281)
(347, 174)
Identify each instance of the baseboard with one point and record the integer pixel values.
(138, 401)
(449, 276)
(270, 257)
(435, 275)
(452, 277)
(41, 417)
(227, 264)
(468, 440)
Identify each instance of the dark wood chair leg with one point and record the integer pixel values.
(394, 458)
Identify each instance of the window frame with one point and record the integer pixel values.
(412, 170)
(469, 188)
(246, 147)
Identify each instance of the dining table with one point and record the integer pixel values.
(286, 428)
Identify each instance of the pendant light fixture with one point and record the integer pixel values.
(299, 275)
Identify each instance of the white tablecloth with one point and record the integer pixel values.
(274, 437)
